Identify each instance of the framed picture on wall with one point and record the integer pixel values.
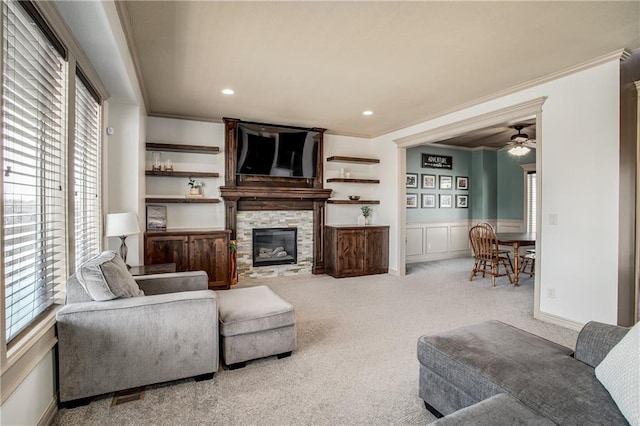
(446, 201)
(446, 182)
(412, 201)
(156, 218)
(428, 201)
(429, 181)
(412, 180)
(462, 182)
(462, 201)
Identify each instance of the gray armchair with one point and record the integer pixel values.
(170, 333)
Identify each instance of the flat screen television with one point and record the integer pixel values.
(276, 151)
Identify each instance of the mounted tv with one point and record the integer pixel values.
(277, 151)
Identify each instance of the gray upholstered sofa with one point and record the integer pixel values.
(169, 333)
(492, 374)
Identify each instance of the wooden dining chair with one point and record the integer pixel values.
(529, 259)
(503, 251)
(486, 253)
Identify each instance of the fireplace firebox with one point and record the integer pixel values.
(275, 246)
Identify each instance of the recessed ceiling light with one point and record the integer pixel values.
(227, 91)
(367, 112)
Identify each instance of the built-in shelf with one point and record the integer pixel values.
(167, 147)
(163, 200)
(359, 160)
(353, 201)
(353, 180)
(182, 174)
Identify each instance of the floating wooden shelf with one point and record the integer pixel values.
(182, 174)
(199, 149)
(353, 180)
(353, 201)
(359, 160)
(163, 200)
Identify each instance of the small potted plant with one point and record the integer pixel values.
(366, 212)
(194, 186)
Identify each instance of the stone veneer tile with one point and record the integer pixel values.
(247, 220)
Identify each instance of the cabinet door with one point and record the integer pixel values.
(350, 252)
(210, 253)
(167, 249)
(377, 251)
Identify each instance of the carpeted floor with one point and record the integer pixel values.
(356, 359)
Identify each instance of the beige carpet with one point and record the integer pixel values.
(356, 360)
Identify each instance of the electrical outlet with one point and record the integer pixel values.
(551, 293)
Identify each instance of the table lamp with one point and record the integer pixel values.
(120, 225)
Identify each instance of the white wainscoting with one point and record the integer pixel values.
(437, 240)
(447, 240)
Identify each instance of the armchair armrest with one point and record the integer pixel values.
(125, 343)
(596, 340)
(172, 283)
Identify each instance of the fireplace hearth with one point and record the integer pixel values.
(274, 246)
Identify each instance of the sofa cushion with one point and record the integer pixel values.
(105, 277)
(499, 410)
(251, 309)
(495, 357)
(619, 372)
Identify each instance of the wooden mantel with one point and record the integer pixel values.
(242, 193)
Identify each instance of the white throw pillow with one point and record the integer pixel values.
(619, 372)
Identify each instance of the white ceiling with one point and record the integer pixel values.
(320, 64)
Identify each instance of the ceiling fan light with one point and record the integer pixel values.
(519, 150)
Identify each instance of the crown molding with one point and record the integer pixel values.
(492, 118)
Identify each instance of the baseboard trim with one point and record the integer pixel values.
(50, 413)
(394, 272)
(562, 322)
(438, 256)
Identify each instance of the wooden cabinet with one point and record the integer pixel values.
(191, 251)
(352, 251)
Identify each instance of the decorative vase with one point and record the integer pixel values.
(194, 191)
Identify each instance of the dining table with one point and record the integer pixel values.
(516, 240)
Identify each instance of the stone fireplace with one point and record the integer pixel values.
(259, 201)
(249, 221)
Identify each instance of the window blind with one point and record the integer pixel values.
(531, 201)
(34, 173)
(86, 174)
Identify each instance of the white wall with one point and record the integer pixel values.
(34, 398)
(188, 132)
(579, 171)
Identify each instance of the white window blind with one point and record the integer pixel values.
(33, 163)
(531, 201)
(86, 174)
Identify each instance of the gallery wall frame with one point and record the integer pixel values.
(412, 201)
(428, 201)
(412, 180)
(446, 201)
(428, 181)
(462, 183)
(446, 182)
(462, 201)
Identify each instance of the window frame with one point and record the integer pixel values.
(527, 169)
(22, 354)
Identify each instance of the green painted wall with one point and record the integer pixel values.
(495, 184)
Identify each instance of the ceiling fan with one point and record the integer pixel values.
(520, 142)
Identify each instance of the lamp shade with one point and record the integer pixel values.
(121, 224)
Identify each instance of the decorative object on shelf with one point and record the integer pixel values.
(446, 201)
(347, 175)
(233, 263)
(366, 213)
(428, 201)
(157, 162)
(462, 201)
(354, 197)
(156, 218)
(428, 181)
(412, 201)
(412, 180)
(462, 182)
(168, 165)
(341, 172)
(195, 187)
(122, 225)
(446, 182)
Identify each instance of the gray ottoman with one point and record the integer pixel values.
(254, 323)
